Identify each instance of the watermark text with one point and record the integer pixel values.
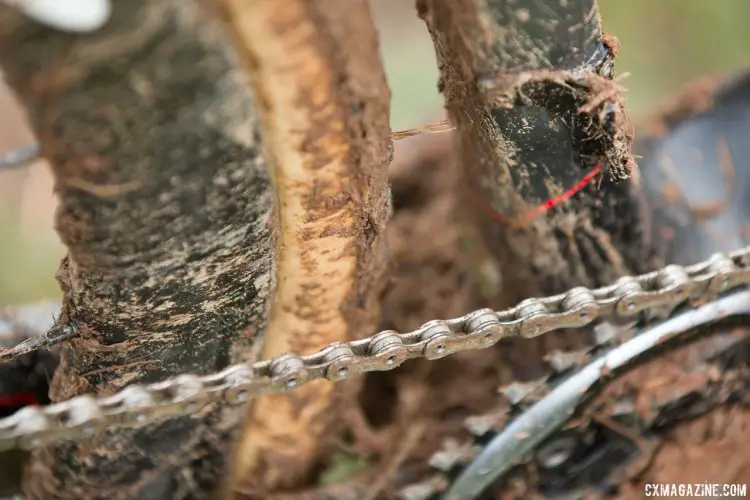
(704, 490)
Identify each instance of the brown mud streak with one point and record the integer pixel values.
(316, 70)
(590, 240)
(170, 263)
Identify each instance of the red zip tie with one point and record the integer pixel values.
(547, 204)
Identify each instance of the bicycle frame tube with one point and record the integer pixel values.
(546, 35)
(545, 138)
(550, 141)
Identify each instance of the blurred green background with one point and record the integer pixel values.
(665, 44)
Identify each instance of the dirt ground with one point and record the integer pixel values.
(431, 251)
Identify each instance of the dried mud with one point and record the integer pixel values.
(710, 448)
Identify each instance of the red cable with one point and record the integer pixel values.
(549, 203)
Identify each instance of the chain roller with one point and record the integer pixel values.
(136, 405)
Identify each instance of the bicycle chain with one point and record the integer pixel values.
(82, 416)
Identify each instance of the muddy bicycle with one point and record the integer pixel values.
(222, 174)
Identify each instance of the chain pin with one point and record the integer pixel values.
(438, 335)
(239, 381)
(339, 359)
(532, 313)
(628, 289)
(485, 326)
(288, 370)
(580, 301)
(388, 347)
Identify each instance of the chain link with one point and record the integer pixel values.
(136, 405)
